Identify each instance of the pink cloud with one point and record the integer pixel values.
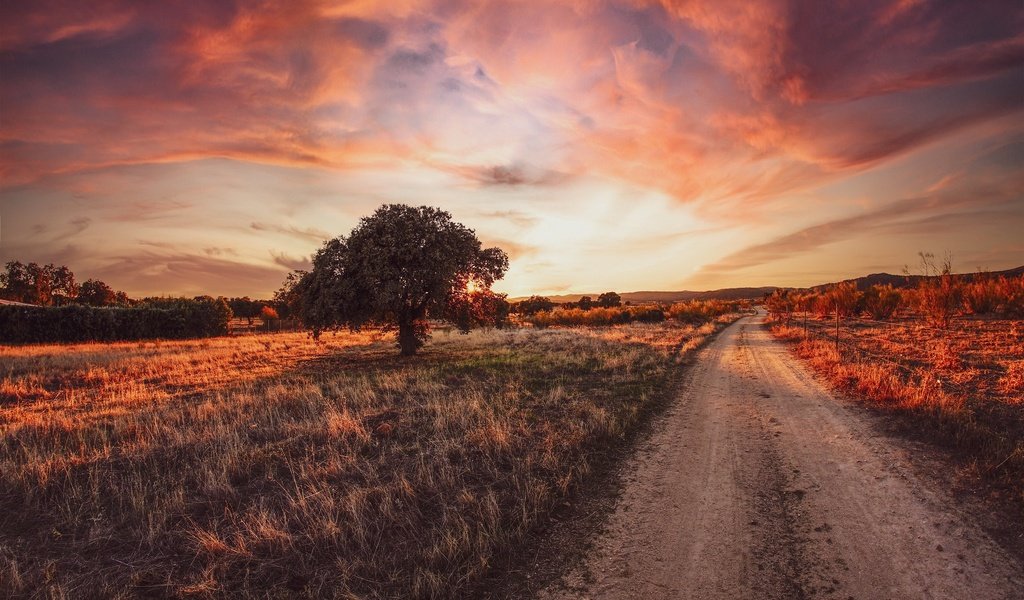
(730, 106)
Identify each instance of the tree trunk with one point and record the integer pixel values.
(407, 339)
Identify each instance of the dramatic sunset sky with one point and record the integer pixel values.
(209, 147)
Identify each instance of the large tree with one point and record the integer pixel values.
(397, 268)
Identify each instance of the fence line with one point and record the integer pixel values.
(821, 334)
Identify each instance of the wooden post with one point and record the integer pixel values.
(839, 356)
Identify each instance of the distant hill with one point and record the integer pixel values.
(680, 296)
(908, 281)
(756, 293)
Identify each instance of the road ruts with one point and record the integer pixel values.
(758, 483)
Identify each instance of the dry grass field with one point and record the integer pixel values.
(276, 465)
(961, 387)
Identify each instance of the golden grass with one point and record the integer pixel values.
(280, 466)
(963, 388)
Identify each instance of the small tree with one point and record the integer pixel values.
(399, 267)
(16, 282)
(122, 299)
(63, 287)
(246, 308)
(96, 293)
(585, 303)
(482, 308)
(533, 305)
(609, 300)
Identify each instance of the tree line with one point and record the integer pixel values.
(400, 268)
(535, 304)
(63, 310)
(51, 285)
(150, 318)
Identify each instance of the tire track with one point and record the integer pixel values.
(757, 483)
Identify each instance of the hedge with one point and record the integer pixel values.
(577, 317)
(164, 318)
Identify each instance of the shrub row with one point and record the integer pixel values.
(577, 317)
(938, 299)
(163, 318)
(702, 311)
(693, 311)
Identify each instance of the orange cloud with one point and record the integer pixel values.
(733, 109)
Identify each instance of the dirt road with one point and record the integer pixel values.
(758, 483)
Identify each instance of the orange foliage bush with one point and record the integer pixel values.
(701, 311)
(577, 317)
(843, 299)
(780, 305)
(1011, 296)
(692, 312)
(882, 301)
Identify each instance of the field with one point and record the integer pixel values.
(275, 465)
(961, 387)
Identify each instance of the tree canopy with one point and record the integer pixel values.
(52, 285)
(534, 305)
(397, 268)
(246, 308)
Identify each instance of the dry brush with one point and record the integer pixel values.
(278, 465)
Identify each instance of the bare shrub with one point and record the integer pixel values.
(882, 301)
(940, 293)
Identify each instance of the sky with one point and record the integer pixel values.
(191, 147)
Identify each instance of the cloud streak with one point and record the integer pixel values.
(945, 209)
(305, 233)
(731, 109)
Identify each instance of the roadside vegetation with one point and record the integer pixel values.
(279, 465)
(580, 314)
(47, 304)
(948, 353)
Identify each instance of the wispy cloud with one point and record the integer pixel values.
(291, 263)
(306, 233)
(950, 207)
(734, 108)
